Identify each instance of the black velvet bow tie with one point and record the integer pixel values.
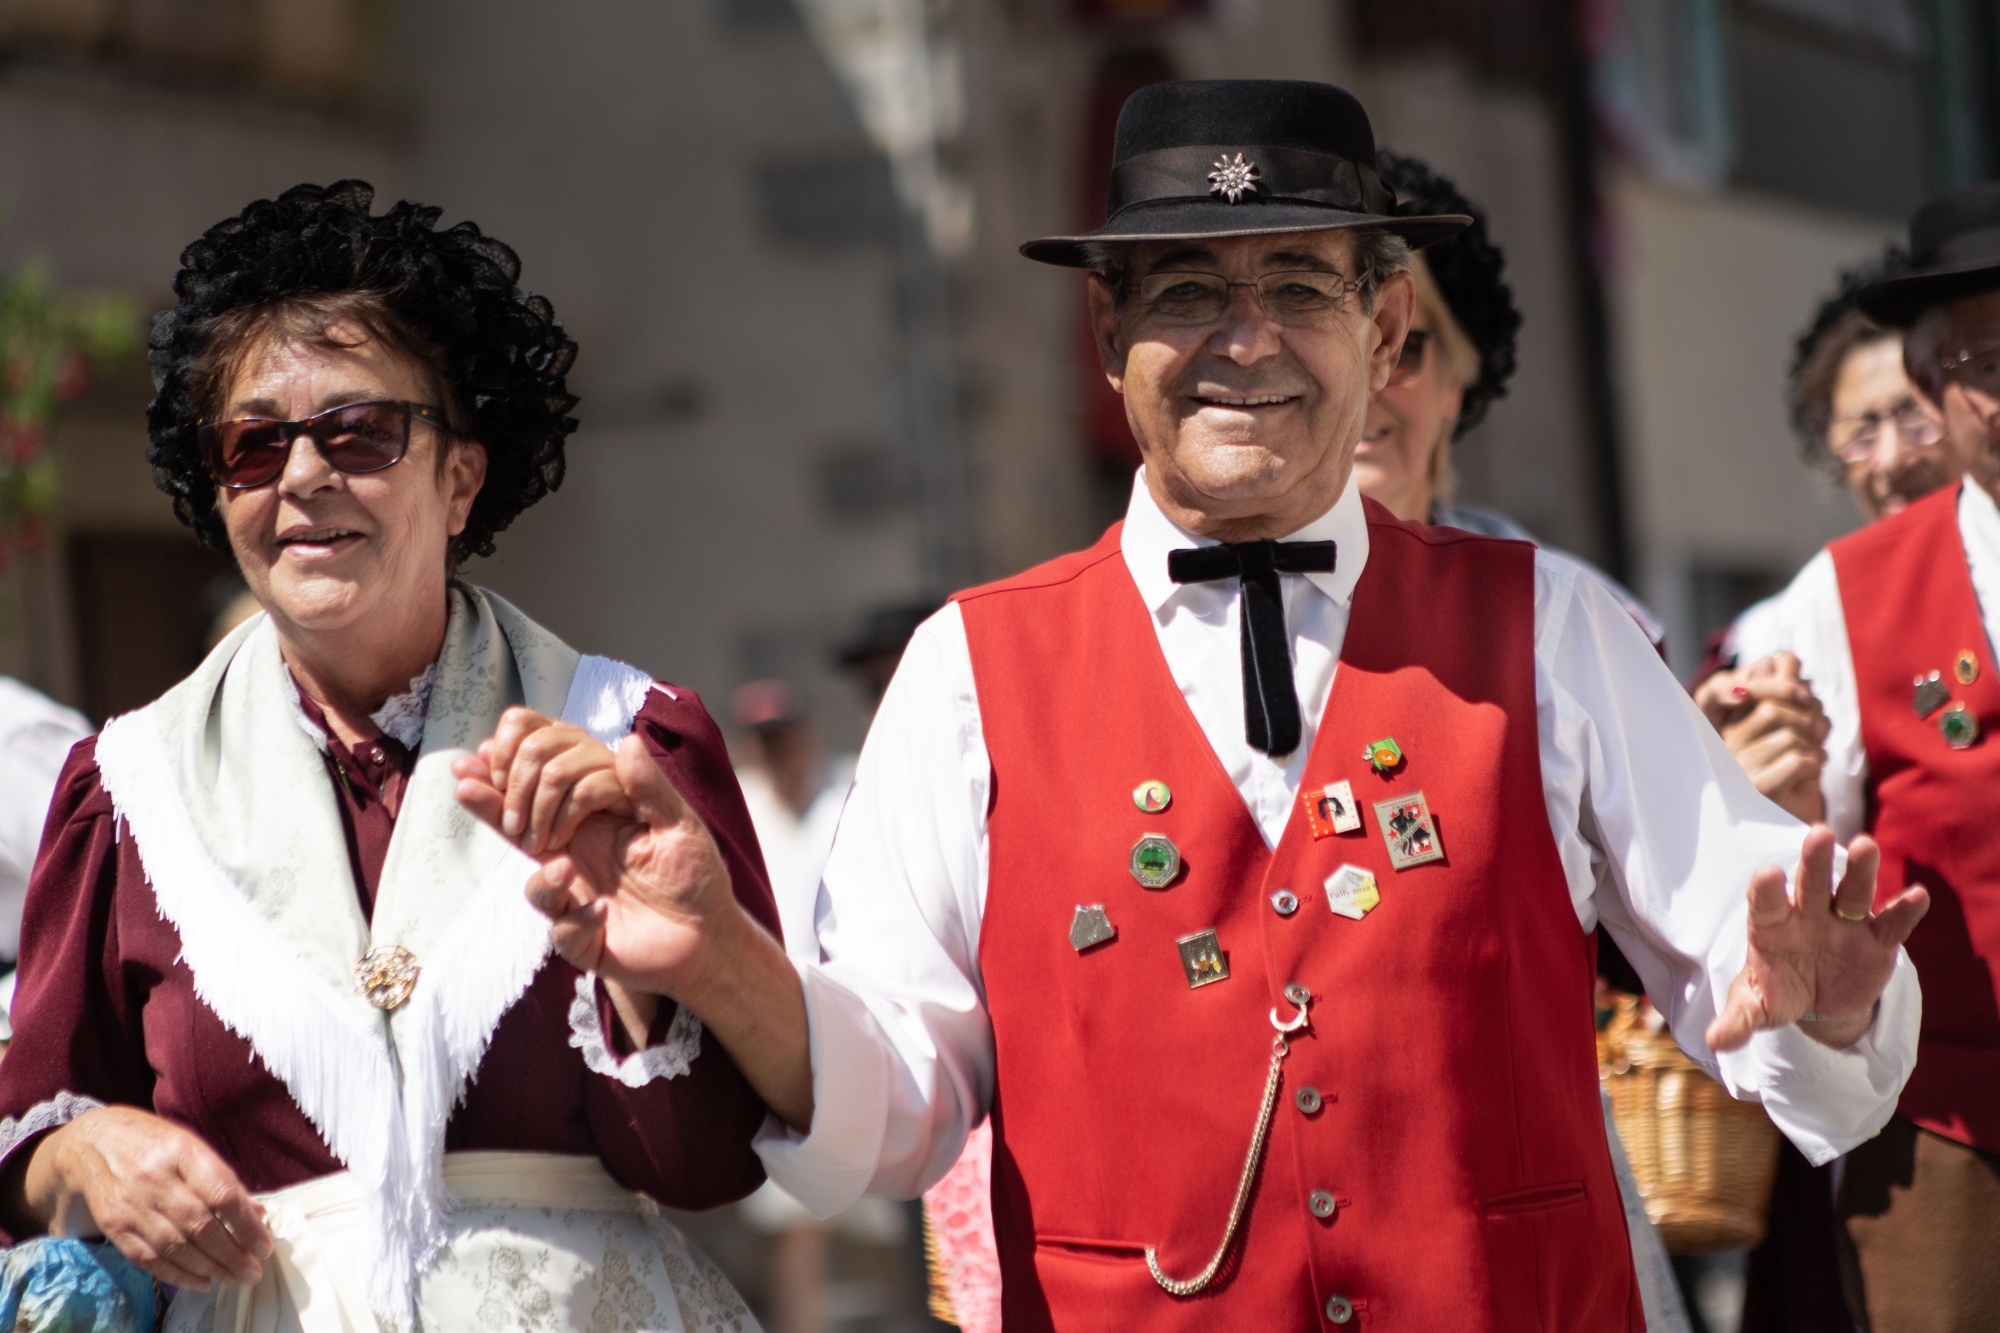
(1270, 698)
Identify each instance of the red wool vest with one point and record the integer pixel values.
(1457, 1124)
(1907, 593)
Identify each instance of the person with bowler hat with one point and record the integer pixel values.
(1244, 867)
(1893, 627)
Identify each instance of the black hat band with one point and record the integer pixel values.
(1968, 247)
(1252, 174)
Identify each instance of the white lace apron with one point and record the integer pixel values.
(534, 1241)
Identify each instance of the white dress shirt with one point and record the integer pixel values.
(1807, 620)
(1657, 828)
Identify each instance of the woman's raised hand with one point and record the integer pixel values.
(537, 779)
(157, 1192)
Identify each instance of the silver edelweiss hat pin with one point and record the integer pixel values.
(1233, 178)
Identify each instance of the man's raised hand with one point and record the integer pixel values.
(1819, 957)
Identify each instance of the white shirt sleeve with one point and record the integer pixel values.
(902, 1048)
(1659, 830)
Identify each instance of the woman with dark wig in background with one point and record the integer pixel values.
(288, 1033)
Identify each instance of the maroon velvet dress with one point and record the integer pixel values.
(106, 1009)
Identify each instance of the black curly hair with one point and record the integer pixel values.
(1467, 269)
(1838, 327)
(449, 298)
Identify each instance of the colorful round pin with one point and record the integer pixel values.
(1152, 796)
(1966, 668)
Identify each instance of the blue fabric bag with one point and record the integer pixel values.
(56, 1285)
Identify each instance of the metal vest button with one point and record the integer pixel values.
(1308, 1099)
(1339, 1309)
(1285, 902)
(1321, 1203)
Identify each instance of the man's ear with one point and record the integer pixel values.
(1108, 329)
(1395, 307)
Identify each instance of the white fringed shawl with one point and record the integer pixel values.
(237, 828)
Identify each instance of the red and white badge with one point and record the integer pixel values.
(1330, 810)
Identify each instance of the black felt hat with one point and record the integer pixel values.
(1243, 157)
(1954, 253)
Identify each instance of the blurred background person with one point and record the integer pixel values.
(1861, 422)
(1914, 1214)
(36, 734)
(1455, 363)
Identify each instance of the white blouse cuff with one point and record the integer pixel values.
(42, 1117)
(673, 1057)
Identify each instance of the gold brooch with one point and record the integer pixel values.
(387, 974)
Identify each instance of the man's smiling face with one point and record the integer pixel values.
(1248, 425)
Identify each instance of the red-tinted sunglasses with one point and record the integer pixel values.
(361, 437)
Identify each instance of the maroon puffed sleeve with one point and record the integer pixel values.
(77, 1024)
(686, 1140)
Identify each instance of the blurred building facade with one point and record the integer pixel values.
(815, 375)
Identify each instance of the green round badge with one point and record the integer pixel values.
(1958, 726)
(1152, 796)
(1155, 861)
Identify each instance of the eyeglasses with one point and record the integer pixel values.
(1854, 439)
(1976, 367)
(249, 452)
(1300, 298)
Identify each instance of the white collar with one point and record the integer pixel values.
(1150, 534)
(1978, 519)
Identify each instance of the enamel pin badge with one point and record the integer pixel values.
(1330, 810)
(1958, 726)
(1351, 892)
(1929, 694)
(1202, 960)
(1155, 861)
(1152, 796)
(1966, 667)
(1408, 831)
(1384, 755)
(1090, 927)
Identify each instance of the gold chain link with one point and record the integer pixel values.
(1177, 1287)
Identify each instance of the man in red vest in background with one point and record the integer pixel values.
(1245, 866)
(1892, 628)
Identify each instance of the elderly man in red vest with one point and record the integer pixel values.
(1245, 866)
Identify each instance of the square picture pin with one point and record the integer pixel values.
(1408, 831)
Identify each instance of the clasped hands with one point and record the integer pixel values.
(637, 891)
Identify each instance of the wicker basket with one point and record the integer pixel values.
(1703, 1160)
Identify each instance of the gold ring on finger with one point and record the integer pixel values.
(1858, 916)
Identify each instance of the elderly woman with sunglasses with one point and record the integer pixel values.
(289, 1035)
